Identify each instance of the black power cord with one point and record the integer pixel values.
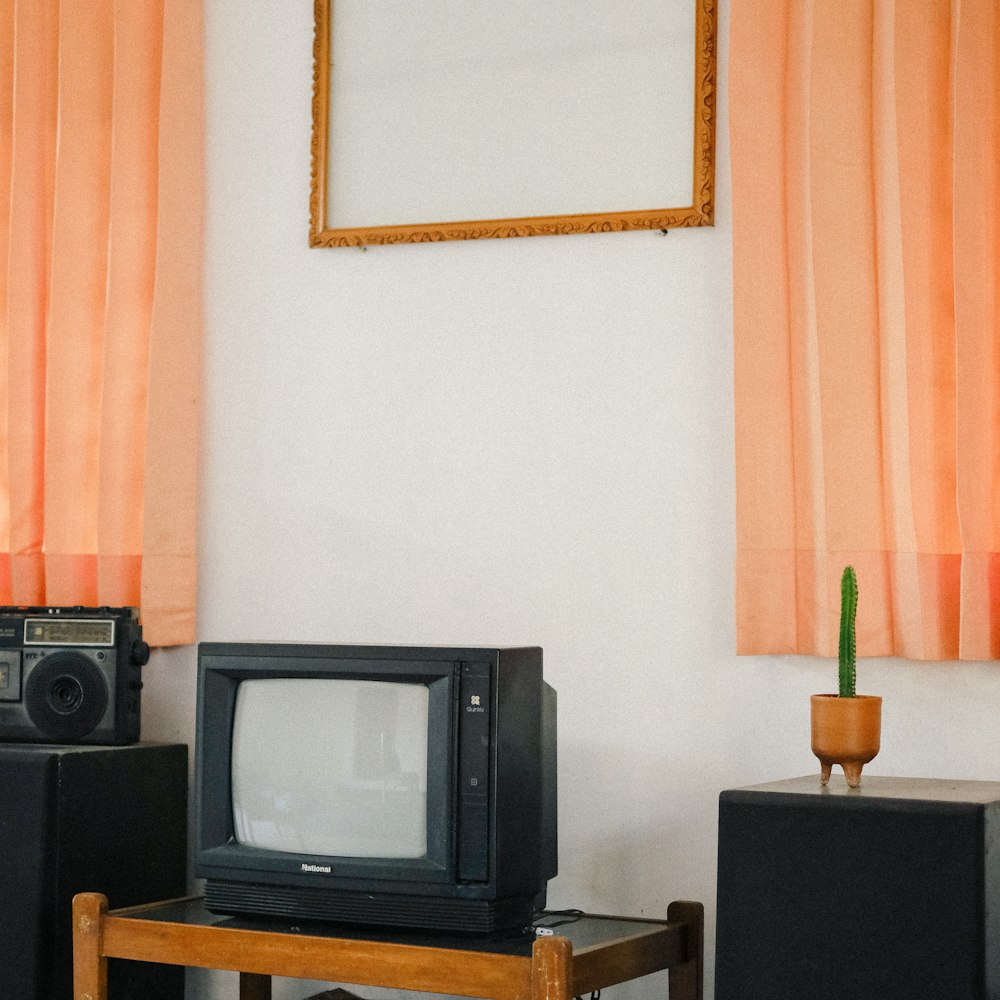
(568, 917)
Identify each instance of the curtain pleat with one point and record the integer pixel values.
(95, 324)
(865, 168)
(977, 313)
(28, 260)
(169, 529)
(132, 269)
(74, 337)
(7, 21)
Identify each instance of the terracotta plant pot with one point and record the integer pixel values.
(845, 731)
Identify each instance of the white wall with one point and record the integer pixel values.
(504, 441)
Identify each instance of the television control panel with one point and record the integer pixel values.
(474, 772)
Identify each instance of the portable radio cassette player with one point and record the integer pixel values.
(70, 675)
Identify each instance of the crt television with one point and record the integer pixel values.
(375, 785)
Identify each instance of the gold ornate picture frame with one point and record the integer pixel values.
(408, 114)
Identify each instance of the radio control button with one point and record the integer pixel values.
(10, 675)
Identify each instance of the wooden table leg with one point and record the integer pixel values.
(550, 962)
(687, 981)
(254, 986)
(90, 967)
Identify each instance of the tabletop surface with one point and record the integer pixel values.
(942, 790)
(584, 931)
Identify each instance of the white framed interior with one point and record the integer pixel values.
(549, 116)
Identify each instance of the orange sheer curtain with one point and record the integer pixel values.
(100, 272)
(866, 167)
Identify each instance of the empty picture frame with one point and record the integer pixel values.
(456, 120)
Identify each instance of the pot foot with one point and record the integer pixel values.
(853, 774)
(824, 773)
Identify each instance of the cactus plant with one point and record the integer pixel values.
(848, 642)
(846, 727)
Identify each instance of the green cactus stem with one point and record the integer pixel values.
(848, 642)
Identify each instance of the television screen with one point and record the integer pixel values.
(331, 767)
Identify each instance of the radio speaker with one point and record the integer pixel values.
(890, 891)
(65, 696)
(77, 819)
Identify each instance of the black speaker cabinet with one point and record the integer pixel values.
(76, 819)
(890, 891)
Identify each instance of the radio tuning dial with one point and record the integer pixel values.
(140, 653)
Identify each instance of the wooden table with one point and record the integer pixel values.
(582, 955)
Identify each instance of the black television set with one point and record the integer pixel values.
(412, 787)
